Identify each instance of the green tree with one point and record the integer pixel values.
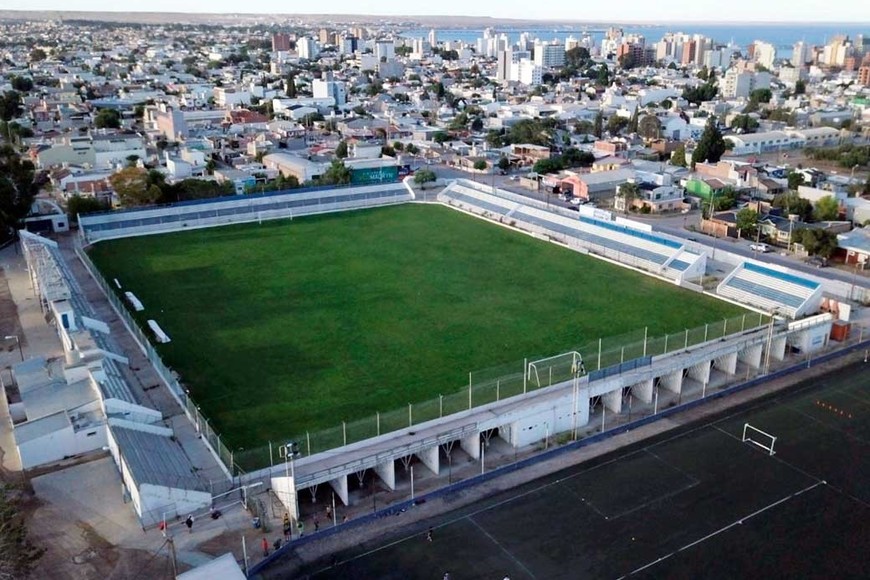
(337, 174)
(10, 105)
(341, 149)
(649, 127)
(17, 190)
(398, 146)
(826, 209)
(792, 203)
(18, 554)
(747, 222)
(598, 125)
(745, 123)
(424, 176)
(603, 75)
(800, 87)
(412, 149)
(552, 165)
(700, 94)
(22, 84)
(534, 131)
(495, 139)
(615, 124)
(573, 157)
(711, 146)
(107, 119)
(761, 95)
(679, 156)
(438, 89)
(37, 55)
(291, 86)
(629, 191)
(504, 163)
(795, 180)
(77, 205)
(132, 187)
(816, 242)
(480, 165)
(633, 122)
(441, 137)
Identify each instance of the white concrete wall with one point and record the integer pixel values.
(551, 418)
(155, 499)
(60, 444)
(131, 412)
(285, 491)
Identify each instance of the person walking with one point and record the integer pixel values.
(316, 524)
(329, 513)
(265, 547)
(189, 523)
(300, 527)
(429, 535)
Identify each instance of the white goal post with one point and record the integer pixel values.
(759, 438)
(554, 369)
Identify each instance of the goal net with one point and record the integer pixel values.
(759, 438)
(555, 369)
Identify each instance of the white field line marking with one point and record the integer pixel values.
(725, 528)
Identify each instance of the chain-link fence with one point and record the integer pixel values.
(484, 386)
(599, 358)
(209, 435)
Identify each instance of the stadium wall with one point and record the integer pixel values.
(238, 209)
(398, 508)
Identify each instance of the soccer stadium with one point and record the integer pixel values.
(292, 326)
(332, 340)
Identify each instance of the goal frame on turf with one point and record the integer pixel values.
(571, 359)
(749, 431)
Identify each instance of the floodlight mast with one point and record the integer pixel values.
(291, 450)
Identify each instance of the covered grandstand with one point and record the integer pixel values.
(173, 486)
(593, 231)
(772, 290)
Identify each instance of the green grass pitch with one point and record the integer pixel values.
(288, 326)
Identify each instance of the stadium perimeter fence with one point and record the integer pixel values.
(203, 427)
(602, 358)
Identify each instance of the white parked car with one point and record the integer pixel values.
(759, 248)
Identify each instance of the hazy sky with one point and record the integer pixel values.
(854, 11)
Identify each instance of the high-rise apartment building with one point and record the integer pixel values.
(280, 42)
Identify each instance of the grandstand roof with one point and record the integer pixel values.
(155, 459)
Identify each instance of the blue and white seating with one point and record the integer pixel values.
(769, 289)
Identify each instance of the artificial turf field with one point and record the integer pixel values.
(292, 326)
(695, 503)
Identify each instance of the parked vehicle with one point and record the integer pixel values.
(763, 248)
(817, 261)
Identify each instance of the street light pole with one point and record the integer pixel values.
(17, 342)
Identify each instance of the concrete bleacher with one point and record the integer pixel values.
(617, 241)
(470, 199)
(770, 289)
(238, 209)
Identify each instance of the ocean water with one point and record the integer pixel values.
(782, 36)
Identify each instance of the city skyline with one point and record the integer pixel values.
(708, 11)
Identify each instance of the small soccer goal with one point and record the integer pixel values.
(555, 369)
(759, 438)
